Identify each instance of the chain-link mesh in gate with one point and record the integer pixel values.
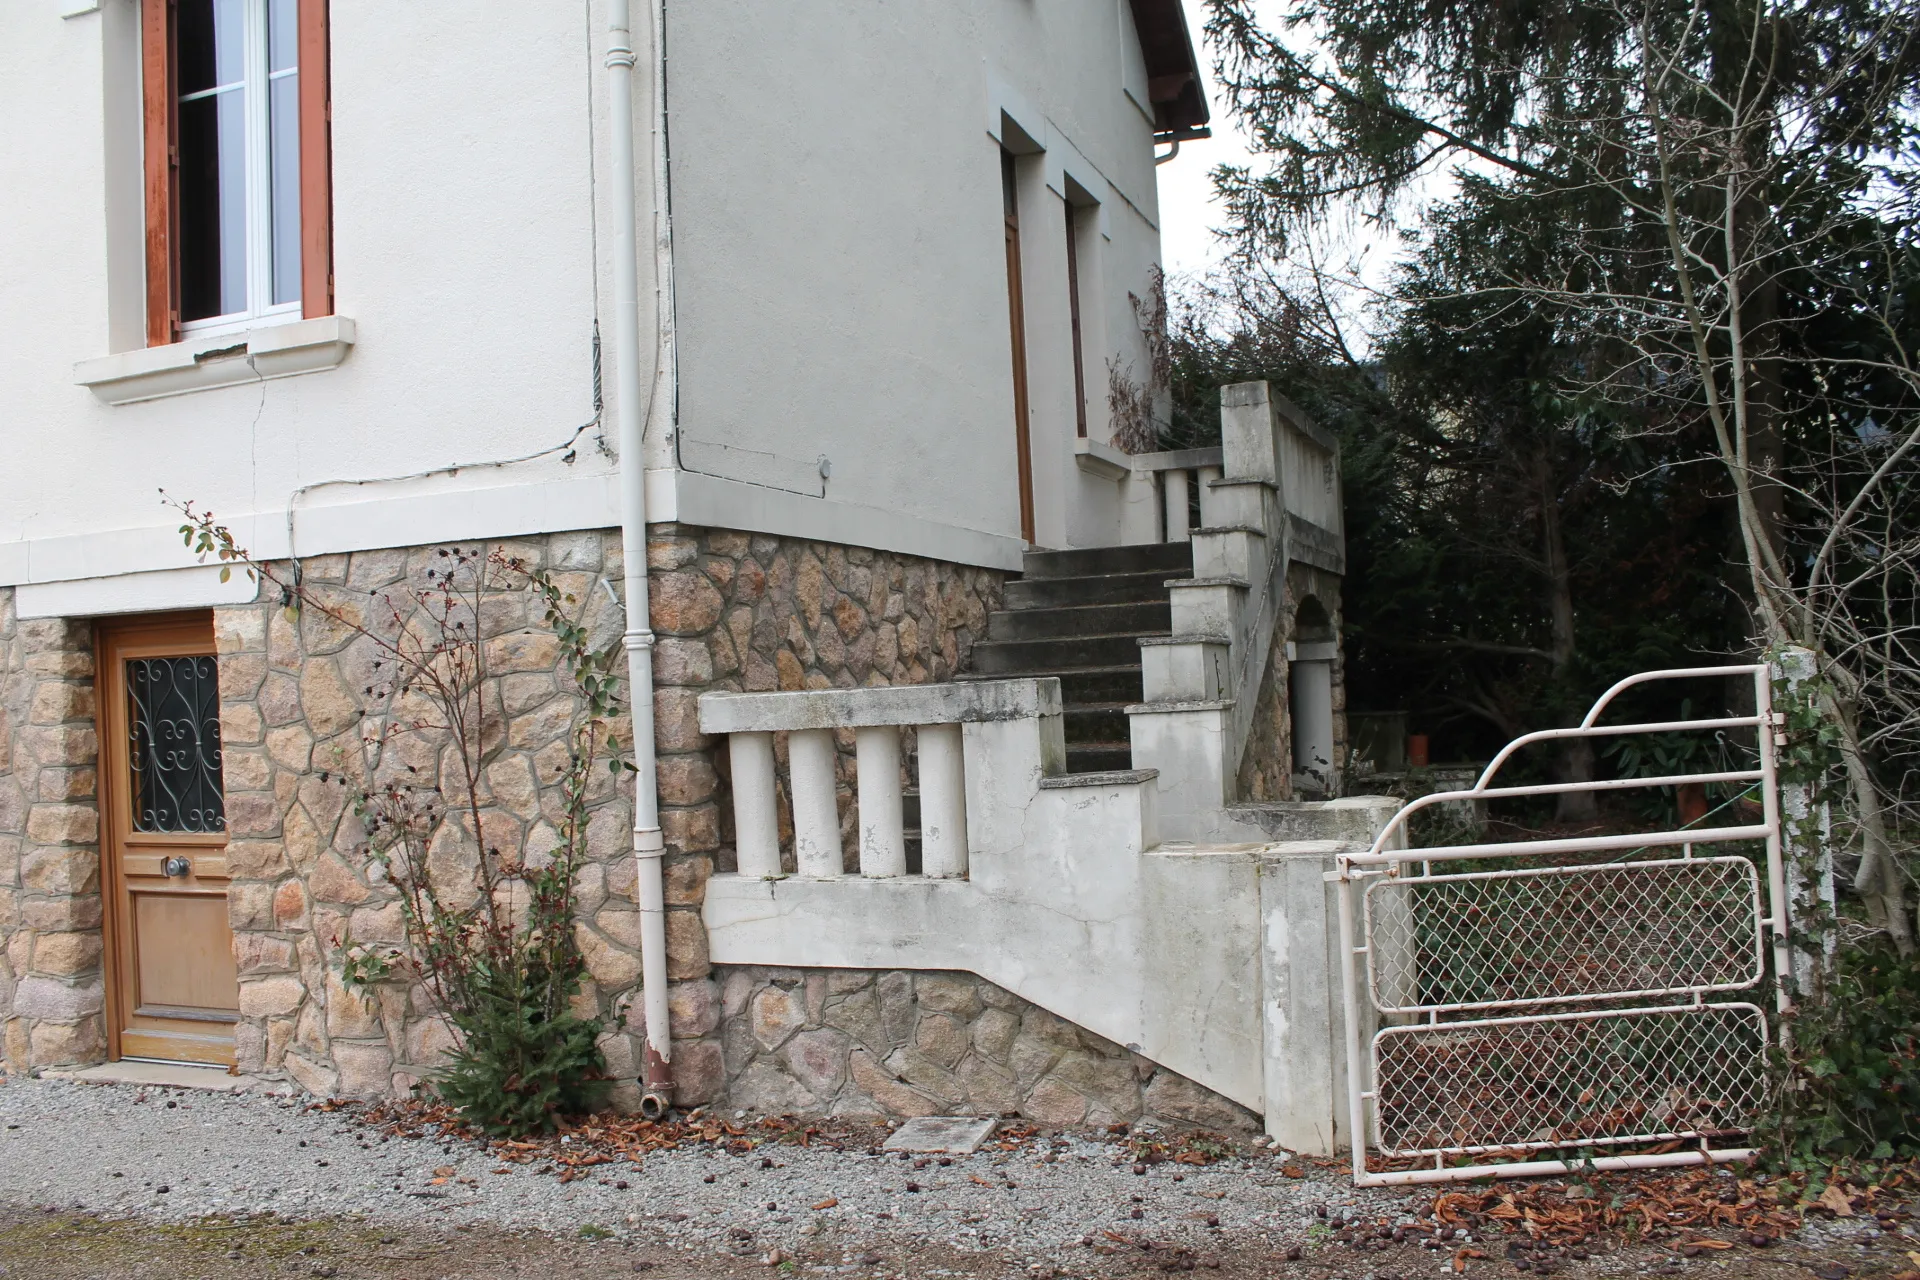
(1569, 1079)
(1490, 939)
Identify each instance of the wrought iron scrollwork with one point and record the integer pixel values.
(173, 717)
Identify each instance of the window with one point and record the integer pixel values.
(1073, 315)
(238, 198)
(1017, 330)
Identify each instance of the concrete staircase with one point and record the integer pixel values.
(1080, 615)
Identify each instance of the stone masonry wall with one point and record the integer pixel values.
(1266, 767)
(731, 611)
(856, 1042)
(751, 612)
(51, 983)
(294, 693)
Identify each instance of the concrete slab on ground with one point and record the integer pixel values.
(945, 1135)
(163, 1075)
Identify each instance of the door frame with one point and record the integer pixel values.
(166, 630)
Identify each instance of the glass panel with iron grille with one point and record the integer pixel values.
(173, 718)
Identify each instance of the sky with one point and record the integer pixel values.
(1188, 212)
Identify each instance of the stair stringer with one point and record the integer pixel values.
(1195, 730)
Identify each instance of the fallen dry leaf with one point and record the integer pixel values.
(974, 1177)
(828, 1203)
(1460, 1257)
(444, 1171)
(1835, 1201)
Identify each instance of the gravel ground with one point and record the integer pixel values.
(176, 1155)
(105, 1180)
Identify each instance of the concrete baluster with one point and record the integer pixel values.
(755, 816)
(1176, 489)
(1206, 476)
(816, 815)
(883, 842)
(943, 803)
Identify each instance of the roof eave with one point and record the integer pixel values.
(1173, 71)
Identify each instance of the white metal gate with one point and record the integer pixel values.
(1591, 1002)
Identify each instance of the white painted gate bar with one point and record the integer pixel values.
(1533, 1040)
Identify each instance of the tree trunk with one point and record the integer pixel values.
(1879, 881)
(1576, 756)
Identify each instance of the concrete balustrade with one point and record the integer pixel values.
(816, 812)
(756, 815)
(1172, 476)
(883, 838)
(947, 757)
(943, 803)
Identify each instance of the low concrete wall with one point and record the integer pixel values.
(1215, 963)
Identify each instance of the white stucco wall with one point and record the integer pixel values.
(464, 209)
(838, 256)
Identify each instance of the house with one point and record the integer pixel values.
(842, 303)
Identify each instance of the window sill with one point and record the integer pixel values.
(1102, 460)
(204, 361)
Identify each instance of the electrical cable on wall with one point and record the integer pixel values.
(567, 448)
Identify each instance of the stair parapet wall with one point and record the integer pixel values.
(1280, 484)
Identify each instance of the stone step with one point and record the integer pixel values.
(1081, 562)
(1044, 657)
(1146, 617)
(1103, 588)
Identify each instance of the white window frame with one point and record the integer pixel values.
(256, 84)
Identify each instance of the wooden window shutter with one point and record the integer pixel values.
(156, 69)
(316, 163)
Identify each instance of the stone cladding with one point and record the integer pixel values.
(897, 1043)
(731, 611)
(295, 693)
(752, 612)
(51, 983)
(1266, 766)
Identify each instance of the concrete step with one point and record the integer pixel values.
(1094, 722)
(1081, 562)
(1105, 757)
(1353, 820)
(1102, 588)
(1145, 617)
(1121, 684)
(1045, 657)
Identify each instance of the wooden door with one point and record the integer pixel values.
(172, 988)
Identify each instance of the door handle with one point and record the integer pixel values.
(176, 867)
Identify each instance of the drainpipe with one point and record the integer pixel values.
(657, 1078)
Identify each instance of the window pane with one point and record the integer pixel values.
(283, 26)
(283, 100)
(213, 205)
(209, 35)
(173, 719)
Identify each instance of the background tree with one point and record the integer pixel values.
(1707, 213)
